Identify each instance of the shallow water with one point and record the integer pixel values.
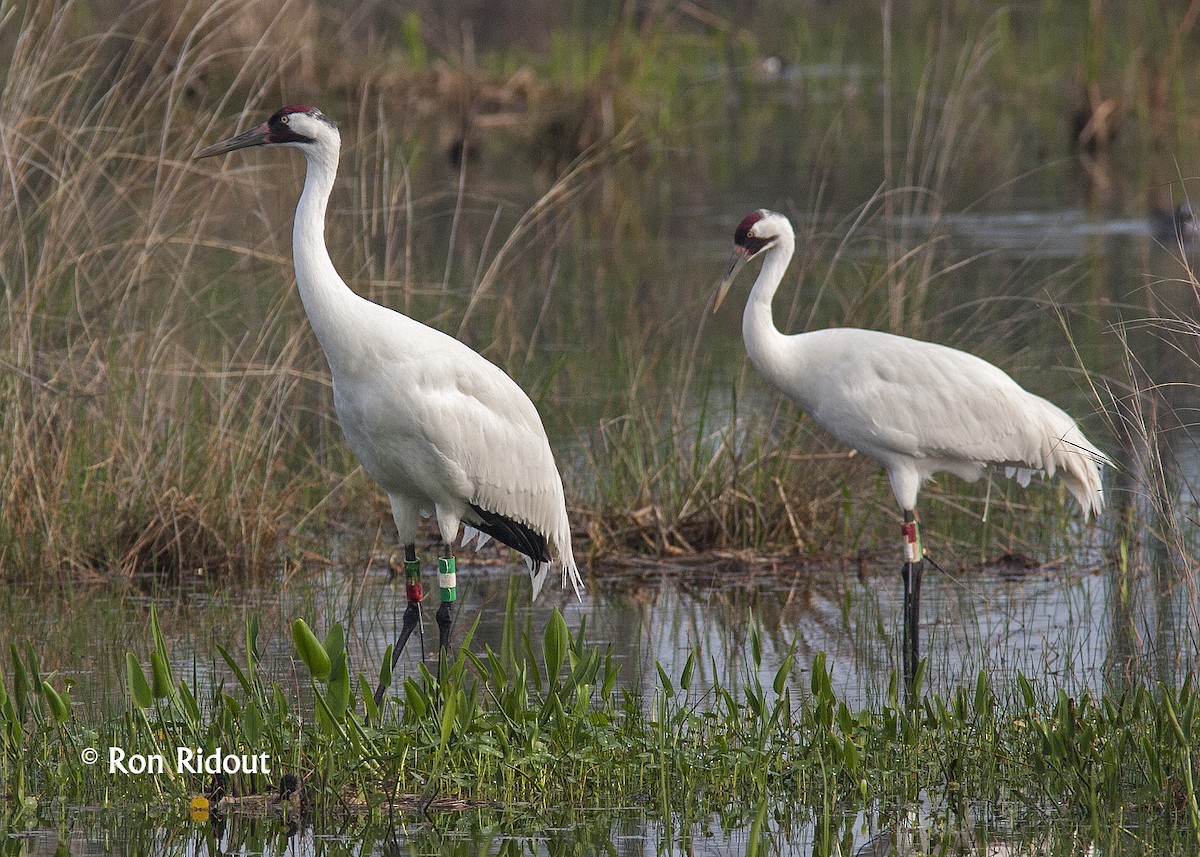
(627, 833)
(1052, 623)
(1042, 621)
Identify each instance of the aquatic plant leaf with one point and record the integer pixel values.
(664, 680)
(252, 725)
(449, 712)
(335, 643)
(160, 644)
(531, 663)
(252, 657)
(368, 697)
(413, 701)
(983, 695)
(35, 677)
(310, 650)
(781, 675)
(243, 680)
(138, 688)
(188, 703)
(385, 669)
(554, 645)
(850, 754)
(918, 677)
(338, 685)
(612, 671)
(685, 678)
(1027, 694)
(58, 708)
(20, 691)
(160, 677)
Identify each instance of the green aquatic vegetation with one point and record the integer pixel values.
(544, 725)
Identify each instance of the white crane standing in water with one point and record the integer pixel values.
(916, 407)
(443, 430)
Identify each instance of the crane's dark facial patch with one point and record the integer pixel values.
(279, 125)
(743, 237)
(516, 535)
(278, 130)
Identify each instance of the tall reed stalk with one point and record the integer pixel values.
(143, 434)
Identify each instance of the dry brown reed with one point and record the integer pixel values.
(142, 435)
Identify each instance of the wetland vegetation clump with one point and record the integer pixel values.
(543, 726)
(167, 414)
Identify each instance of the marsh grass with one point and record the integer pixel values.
(142, 438)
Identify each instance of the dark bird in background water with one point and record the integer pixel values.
(1173, 227)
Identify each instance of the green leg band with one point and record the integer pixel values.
(448, 579)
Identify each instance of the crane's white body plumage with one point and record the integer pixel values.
(439, 427)
(917, 407)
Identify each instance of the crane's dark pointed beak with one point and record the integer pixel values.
(740, 257)
(254, 137)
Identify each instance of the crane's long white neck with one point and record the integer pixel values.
(764, 343)
(328, 301)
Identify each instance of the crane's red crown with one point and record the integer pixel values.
(752, 244)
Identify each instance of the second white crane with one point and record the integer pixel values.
(918, 408)
(443, 430)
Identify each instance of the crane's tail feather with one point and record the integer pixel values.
(539, 570)
(481, 538)
(1073, 457)
(1081, 471)
(1021, 475)
(516, 534)
(1080, 464)
(534, 547)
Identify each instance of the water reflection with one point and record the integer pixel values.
(620, 833)
(1045, 622)
(1048, 622)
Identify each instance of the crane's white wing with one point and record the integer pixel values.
(926, 407)
(434, 420)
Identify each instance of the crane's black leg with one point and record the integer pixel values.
(412, 613)
(914, 565)
(448, 584)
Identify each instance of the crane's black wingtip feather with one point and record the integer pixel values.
(516, 535)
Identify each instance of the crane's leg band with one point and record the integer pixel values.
(448, 579)
(911, 530)
(448, 583)
(412, 581)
